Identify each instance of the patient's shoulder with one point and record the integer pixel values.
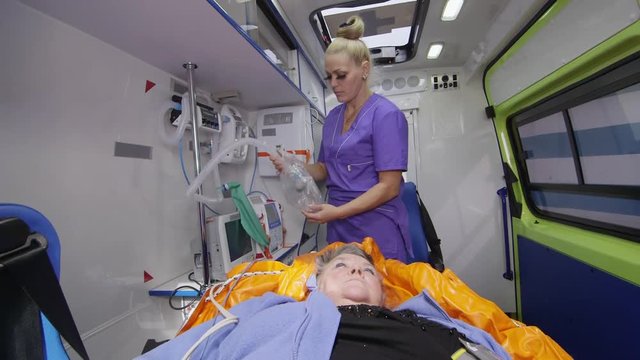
(254, 305)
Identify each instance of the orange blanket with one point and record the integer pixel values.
(401, 282)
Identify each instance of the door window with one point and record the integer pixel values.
(580, 153)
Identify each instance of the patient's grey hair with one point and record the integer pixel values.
(325, 258)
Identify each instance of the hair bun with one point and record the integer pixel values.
(352, 29)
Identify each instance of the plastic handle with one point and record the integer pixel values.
(508, 274)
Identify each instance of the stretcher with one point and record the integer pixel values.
(400, 282)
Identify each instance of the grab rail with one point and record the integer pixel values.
(508, 274)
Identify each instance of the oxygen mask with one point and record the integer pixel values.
(299, 188)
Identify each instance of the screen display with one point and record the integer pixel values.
(272, 214)
(238, 240)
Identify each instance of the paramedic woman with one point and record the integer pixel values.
(362, 155)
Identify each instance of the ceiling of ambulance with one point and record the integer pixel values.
(145, 30)
(461, 36)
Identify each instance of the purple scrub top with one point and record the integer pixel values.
(377, 141)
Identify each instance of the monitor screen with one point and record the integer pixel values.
(272, 214)
(238, 240)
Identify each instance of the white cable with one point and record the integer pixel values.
(308, 134)
(229, 319)
(221, 286)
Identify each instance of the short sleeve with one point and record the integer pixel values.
(390, 140)
(329, 123)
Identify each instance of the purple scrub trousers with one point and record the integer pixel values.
(377, 141)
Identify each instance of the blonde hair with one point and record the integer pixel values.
(325, 258)
(348, 41)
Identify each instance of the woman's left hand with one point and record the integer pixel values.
(322, 213)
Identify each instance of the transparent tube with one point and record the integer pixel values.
(183, 120)
(212, 166)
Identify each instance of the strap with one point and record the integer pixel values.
(31, 270)
(18, 313)
(515, 208)
(20, 328)
(435, 253)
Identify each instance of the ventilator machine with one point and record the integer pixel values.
(285, 128)
(229, 245)
(233, 129)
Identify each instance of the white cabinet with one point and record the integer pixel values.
(168, 33)
(293, 63)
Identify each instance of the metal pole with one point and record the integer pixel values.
(206, 276)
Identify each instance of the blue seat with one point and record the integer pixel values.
(418, 237)
(425, 241)
(38, 223)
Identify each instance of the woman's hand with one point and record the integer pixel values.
(278, 162)
(322, 213)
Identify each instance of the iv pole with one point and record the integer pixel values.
(206, 276)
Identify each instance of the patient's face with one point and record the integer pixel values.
(350, 279)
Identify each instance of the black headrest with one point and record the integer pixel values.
(13, 234)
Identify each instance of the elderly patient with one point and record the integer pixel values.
(343, 318)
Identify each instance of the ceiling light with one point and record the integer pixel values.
(434, 50)
(451, 10)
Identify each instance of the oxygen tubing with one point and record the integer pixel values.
(212, 166)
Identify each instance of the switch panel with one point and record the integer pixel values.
(448, 81)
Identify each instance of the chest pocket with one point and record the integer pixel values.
(358, 172)
(357, 166)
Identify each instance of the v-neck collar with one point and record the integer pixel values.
(341, 138)
(354, 124)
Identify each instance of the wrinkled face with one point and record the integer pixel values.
(345, 76)
(350, 279)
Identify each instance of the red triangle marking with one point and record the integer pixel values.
(148, 86)
(147, 277)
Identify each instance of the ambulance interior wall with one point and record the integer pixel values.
(66, 99)
(458, 173)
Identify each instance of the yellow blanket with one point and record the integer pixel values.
(401, 282)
